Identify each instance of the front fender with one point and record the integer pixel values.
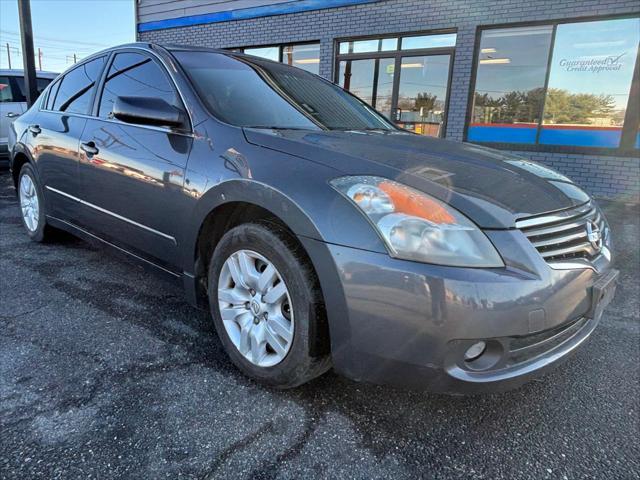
(252, 192)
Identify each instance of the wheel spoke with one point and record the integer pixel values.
(273, 341)
(233, 296)
(236, 275)
(276, 293)
(258, 344)
(266, 279)
(248, 269)
(24, 186)
(280, 326)
(230, 313)
(245, 340)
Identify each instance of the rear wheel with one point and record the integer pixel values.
(266, 305)
(32, 205)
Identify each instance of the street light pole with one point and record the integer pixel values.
(26, 34)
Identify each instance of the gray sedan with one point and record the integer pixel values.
(316, 232)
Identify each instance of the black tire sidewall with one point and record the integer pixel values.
(263, 240)
(38, 234)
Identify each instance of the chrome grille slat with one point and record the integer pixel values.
(538, 232)
(534, 222)
(562, 216)
(562, 235)
(563, 239)
(582, 247)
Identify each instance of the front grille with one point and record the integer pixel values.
(563, 235)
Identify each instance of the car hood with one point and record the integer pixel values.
(493, 188)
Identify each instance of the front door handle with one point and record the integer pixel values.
(89, 148)
(35, 129)
(13, 115)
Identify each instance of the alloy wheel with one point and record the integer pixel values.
(29, 203)
(255, 307)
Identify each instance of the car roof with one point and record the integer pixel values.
(19, 72)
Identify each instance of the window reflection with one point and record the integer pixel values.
(357, 77)
(306, 57)
(429, 41)
(422, 94)
(384, 90)
(589, 70)
(510, 84)
(270, 53)
(589, 82)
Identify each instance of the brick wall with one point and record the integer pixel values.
(601, 175)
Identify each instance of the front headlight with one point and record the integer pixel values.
(416, 226)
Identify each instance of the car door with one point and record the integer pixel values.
(10, 108)
(55, 133)
(132, 175)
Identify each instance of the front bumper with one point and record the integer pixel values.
(409, 324)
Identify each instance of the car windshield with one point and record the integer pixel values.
(255, 93)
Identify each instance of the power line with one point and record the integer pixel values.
(59, 40)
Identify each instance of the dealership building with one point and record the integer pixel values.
(556, 81)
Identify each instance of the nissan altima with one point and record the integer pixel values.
(316, 232)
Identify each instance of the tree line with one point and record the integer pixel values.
(560, 107)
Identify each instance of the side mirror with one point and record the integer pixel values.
(147, 111)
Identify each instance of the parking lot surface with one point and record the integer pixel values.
(106, 372)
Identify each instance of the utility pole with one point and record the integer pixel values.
(8, 55)
(39, 59)
(28, 57)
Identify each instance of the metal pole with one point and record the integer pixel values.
(9, 55)
(28, 57)
(39, 59)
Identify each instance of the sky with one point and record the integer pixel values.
(62, 28)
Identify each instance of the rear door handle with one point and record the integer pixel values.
(89, 148)
(13, 115)
(35, 129)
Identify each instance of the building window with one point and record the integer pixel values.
(304, 55)
(565, 84)
(404, 78)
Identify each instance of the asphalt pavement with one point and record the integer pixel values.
(106, 372)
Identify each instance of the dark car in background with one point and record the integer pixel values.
(13, 102)
(316, 232)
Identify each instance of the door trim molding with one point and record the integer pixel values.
(82, 231)
(113, 214)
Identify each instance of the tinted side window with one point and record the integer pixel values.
(5, 90)
(77, 87)
(135, 75)
(18, 87)
(52, 95)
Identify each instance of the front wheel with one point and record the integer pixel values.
(266, 305)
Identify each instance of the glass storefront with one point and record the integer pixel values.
(404, 78)
(566, 84)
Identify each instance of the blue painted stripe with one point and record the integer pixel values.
(246, 13)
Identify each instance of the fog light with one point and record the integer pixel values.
(474, 351)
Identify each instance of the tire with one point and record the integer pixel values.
(36, 225)
(262, 244)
